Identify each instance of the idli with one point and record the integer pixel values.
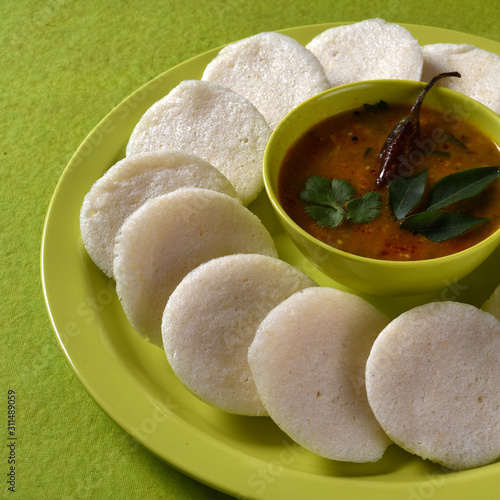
(211, 318)
(479, 68)
(368, 50)
(211, 121)
(128, 184)
(272, 70)
(308, 361)
(492, 305)
(170, 235)
(433, 383)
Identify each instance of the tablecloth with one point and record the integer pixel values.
(64, 65)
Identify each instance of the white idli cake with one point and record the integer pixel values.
(272, 70)
(170, 235)
(479, 68)
(308, 361)
(210, 121)
(211, 319)
(433, 383)
(128, 184)
(492, 305)
(368, 50)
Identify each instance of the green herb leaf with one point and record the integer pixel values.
(375, 107)
(364, 209)
(317, 190)
(321, 191)
(405, 193)
(331, 202)
(435, 152)
(454, 139)
(456, 187)
(342, 190)
(325, 216)
(440, 226)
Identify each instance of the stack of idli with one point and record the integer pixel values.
(153, 217)
(170, 235)
(129, 184)
(375, 49)
(226, 117)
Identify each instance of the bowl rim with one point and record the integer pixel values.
(274, 198)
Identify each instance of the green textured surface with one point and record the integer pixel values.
(64, 66)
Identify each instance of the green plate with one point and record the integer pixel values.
(130, 379)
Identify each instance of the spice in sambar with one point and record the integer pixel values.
(346, 146)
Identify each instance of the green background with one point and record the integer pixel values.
(64, 65)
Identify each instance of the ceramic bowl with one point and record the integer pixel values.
(366, 275)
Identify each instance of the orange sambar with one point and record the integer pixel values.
(346, 146)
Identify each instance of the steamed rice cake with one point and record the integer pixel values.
(479, 69)
(211, 121)
(128, 184)
(170, 235)
(272, 70)
(211, 319)
(308, 361)
(433, 383)
(367, 50)
(492, 305)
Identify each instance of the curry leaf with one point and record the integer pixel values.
(439, 226)
(454, 139)
(405, 193)
(364, 209)
(456, 187)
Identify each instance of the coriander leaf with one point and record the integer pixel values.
(461, 185)
(325, 216)
(364, 209)
(342, 190)
(321, 191)
(329, 198)
(440, 226)
(317, 190)
(405, 193)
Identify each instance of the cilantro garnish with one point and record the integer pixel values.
(330, 202)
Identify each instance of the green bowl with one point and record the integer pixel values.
(365, 275)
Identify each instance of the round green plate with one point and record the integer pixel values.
(248, 457)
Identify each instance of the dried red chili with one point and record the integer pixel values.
(393, 158)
